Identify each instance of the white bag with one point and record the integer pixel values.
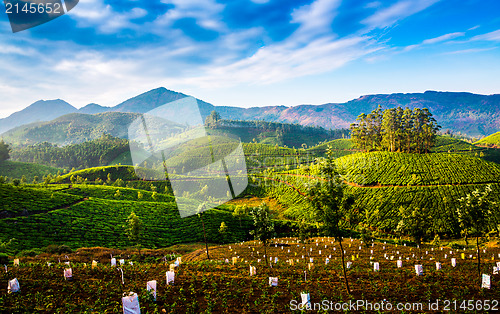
(306, 300)
(400, 263)
(151, 286)
(486, 282)
(122, 262)
(454, 262)
(348, 265)
(131, 304)
(170, 277)
(376, 266)
(438, 266)
(113, 262)
(253, 270)
(273, 281)
(68, 274)
(419, 269)
(13, 286)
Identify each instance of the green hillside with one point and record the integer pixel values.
(383, 182)
(92, 215)
(99, 152)
(14, 169)
(492, 140)
(72, 128)
(401, 169)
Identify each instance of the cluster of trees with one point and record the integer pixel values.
(98, 152)
(285, 133)
(395, 130)
(4, 151)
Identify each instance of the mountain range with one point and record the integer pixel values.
(471, 114)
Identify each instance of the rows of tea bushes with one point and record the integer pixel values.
(101, 222)
(16, 200)
(384, 168)
(381, 205)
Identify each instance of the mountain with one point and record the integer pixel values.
(156, 98)
(93, 109)
(42, 110)
(471, 114)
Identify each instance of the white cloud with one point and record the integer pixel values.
(315, 18)
(94, 13)
(388, 16)
(472, 50)
(285, 61)
(492, 36)
(206, 13)
(442, 38)
(439, 39)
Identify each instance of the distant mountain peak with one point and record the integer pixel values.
(149, 100)
(41, 110)
(93, 108)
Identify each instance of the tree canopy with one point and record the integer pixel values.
(395, 130)
(4, 151)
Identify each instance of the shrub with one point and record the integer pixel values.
(29, 253)
(4, 259)
(57, 249)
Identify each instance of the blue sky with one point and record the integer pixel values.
(252, 52)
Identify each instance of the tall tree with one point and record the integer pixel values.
(478, 214)
(414, 222)
(332, 206)
(213, 120)
(4, 151)
(264, 226)
(134, 229)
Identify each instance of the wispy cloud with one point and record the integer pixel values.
(435, 40)
(315, 19)
(388, 16)
(286, 61)
(492, 36)
(95, 13)
(443, 38)
(206, 13)
(472, 50)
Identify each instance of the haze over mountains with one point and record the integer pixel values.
(472, 114)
